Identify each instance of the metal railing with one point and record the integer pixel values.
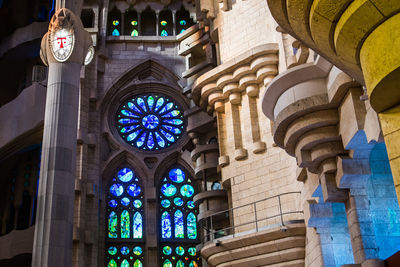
(261, 212)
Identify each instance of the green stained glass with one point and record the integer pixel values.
(137, 203)
(137, 263)
(187, 190)
(178, 219)
(193, 264)
(112, 263)
(137, 225)
(137, 251)
(164, 33)
(191, 226)
(165, 203)
(178, 201)
(115, 22)
(112, 225)
(125, 263)
(163, 23)
(167, 250)
(134, 33)
(112, 250)
(167, 263)
(125, 224)
(179, 250)
(180, 263)
(168, 190)
(182, 22)
(192, 251)
(134, 22)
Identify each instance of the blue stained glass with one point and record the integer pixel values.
(112, 250)
(178, 201)
(172, 129)
(173, 113)
(125, 263)
(132, 136)
(128, 113)
(128, 129)
(141, 139)
(134, 107)
(150, 141)
(191, 226)
(165, 203)
(190, 204)
(126, 121)
(137, 251)
(137, 203)
(125, 224)
(182, 22)
(167, 250)
(150, 121)
(125, 201)
(178, 219)
(177, 175)
(192, 251)
(134, 190)
(179, 250)
(182, 30)
(150, 102)
(112, 225)
(166, 107)
(116, 190)
(124, 250)
(142, 104)
(174, 121)
(112, 203)
(137, 225)
(168, 136)
(167, 263)
(115, 32)
(180, 264)
(164, 33)
(168, 190)
(160, 140)
(166, 225)
(187, 190)
(125, 175)
(159, 103)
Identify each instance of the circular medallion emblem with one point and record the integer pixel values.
(89, 55)
(62, 43)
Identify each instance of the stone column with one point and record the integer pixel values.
(54, 223)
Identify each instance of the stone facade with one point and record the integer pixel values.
(282, 140)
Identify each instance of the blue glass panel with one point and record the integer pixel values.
(115, 32)
(164, 33)
(182, 22)
(166, 225)
(137, 203)
(137, 251)
(180, 263)
(187, 190)
(191, 226)
(125, 224)
(159, 103)
(124, 250)
(112, 203)
(174, 121)
(190, 204)
(141, 140)
(180, 250)
(178, 201)
(178, 219)
(128, 129)
(192, 251)
(137, 225)
(141, 103)
(172, 129)
(168, 136)
(116, 190)
(125, 263)
(182, 30)
(165, 203)
(160, 140)
(112, 225)
(127, 121)
(134, 107)
(125, 175)
(168, 190)
(132, 136)
(134, 190)
(150, 102)
(112, 250)
(166, 107)
(125, 201)
(128, 113)
(173, 113)
(167, 250)
(150, 121)
(177, 175)
(150, 141)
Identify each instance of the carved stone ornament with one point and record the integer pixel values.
(62, 37)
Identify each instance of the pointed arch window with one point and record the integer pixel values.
(183, 20)
(178, 221)
(114, 22)
(124, 221)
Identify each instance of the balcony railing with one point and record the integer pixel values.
(274, 211)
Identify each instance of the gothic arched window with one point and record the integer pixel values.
(124, 221)
(114, 22)
(166, 26)
(183, 20)
(131, 23)
(150, 122)
(178, 220)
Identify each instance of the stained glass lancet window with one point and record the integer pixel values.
(178, 221)
(124, 221)
(150, 122)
